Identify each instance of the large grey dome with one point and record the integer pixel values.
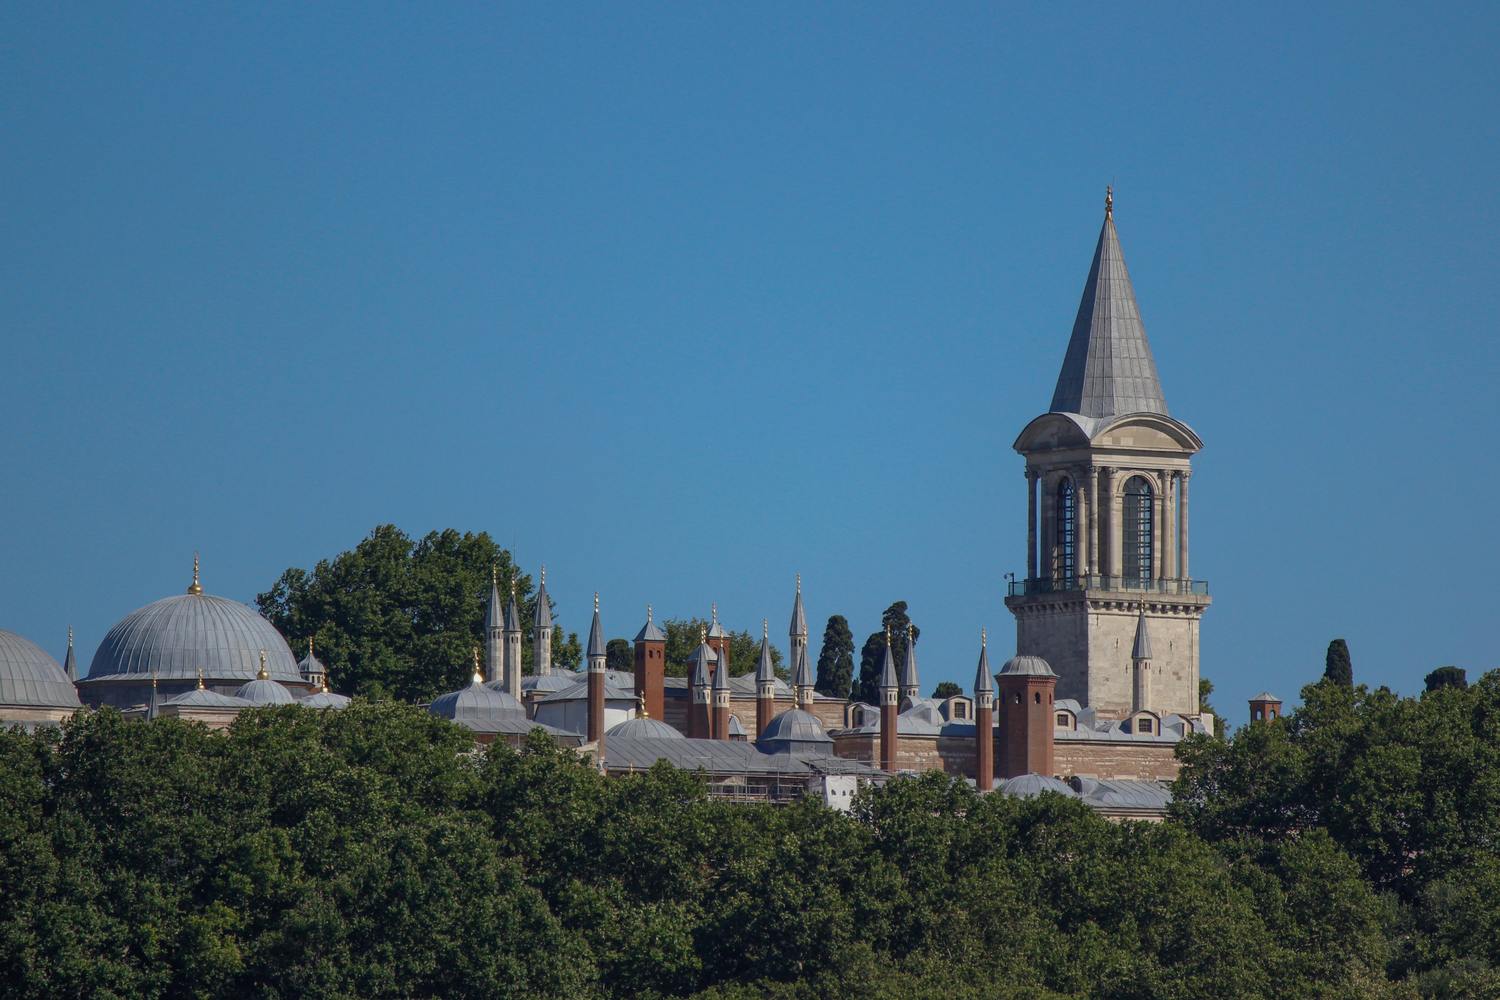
(177, 636)
(30, 677)
(1027, 666)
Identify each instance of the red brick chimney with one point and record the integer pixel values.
(984, 721)
(1027, 685)
(650, 665)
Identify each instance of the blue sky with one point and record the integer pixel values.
(683, 300)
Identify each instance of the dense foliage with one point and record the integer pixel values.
(836, 659)
(685, 634)
(894, 621)
(1337, 667)
(400, 617)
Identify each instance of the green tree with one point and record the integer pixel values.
(1449, 676)
(946, 689)
(1337, 666)
(683, 636)
(872, 656)
(1206, 688)
(836, 660)
(618, 655)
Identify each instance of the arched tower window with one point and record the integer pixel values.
(1138, 530)
(1067, 530)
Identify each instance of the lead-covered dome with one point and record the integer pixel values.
(31, 678)
(643, 729)
(1027, 666)
(176, 637)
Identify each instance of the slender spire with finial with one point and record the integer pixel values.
(478, 676)
(200, 679)
(70, 662)
(263, 674)
(1109, 201)
(648, 614)
(544, 574)
(195, 587)
(765, 628)
(596, 600)
(151, 706)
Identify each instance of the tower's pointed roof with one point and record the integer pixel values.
(983, 681)
(909, 671)
(799, 616)
(513, 611)
(494, 612)
(765, 670)
(596, 633)
(542, 617)
(1108, 369)
(802, 673)
(650, 632)
(1142, 648)
(70, 662)
(888, 667)
(699, 659)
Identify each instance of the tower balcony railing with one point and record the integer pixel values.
(1029, 588)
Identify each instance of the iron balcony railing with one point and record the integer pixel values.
(1027, 588)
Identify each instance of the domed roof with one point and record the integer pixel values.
(325, 699)
(548, 683)
(264, 691)
(477, 703)
(203, 698)
(177, 636)
(643, 729)
(795, 725)
(1029, 785)
(1033, 666)
(29, 676)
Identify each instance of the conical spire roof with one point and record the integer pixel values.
(765, 669)
(984, 682)
(801, 672)
(888, 667)
(1108, 369)
(799, 616)
(542, 616)
(494, 612)
(699, 659)
(1142, 648)
(513, 611)
(650, 632)
(70, 662)
(596, 633)
(909, 672)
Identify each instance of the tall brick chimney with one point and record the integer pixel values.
(984, 720)
(1027, 685)
(596, 657)
(650, 665)
(890, 694)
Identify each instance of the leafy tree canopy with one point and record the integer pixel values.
(836, 660)
(894, 620)
(684, 634)
(1337, 666)
(1449, 676)
(946, 689)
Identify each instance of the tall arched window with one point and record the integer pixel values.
(1137, 534)
(1067, 530)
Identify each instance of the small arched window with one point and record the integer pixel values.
(1137, 531)
(1067, 530)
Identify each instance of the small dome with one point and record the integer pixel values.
(477, 703)
(177, 636)
(548, 683)
(1030, 785)
(265, 692)
(203, 698)
(1028, 666)
(643, 729)
(795, 726)
(325, 699)
(30, 677)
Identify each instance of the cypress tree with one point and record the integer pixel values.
(1336, 665)
(836, 660)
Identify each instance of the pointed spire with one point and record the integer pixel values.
(70, 662)
(494, 612)
(195, 587)
(700, 659)
(799, 616)
(765, 669)
(715, 630)
(721, 677)
(802, 678)
(649, 632)
(596, 632)
(984, 681)
(1108, 369)
(888, 666)
(542, 616)
(263, 674)
(909, 679)
(512, 610)
(1142, 648)
(154, 703)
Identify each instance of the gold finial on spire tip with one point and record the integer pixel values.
(799, 583)
(984, 638)
(70, 636)
(596, 600)
(264, 674)
(765, 628)
(494, 574)
(200, 678)
(714, 610)
(1109, 201)
(195, 587)
(544, 574)
(640, 707)
(648, 614)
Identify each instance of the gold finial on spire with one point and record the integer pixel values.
(1109, 201)
(984, 638)
(478, 677)
(200, 678)
(70, 637)
(195, 587)
(494, 573)
(264, 674)
(702, 634)
(799, 583)
(714, 610)
(765, 628)
(596, 600)
(544, 574)
(309, 647)
(640, 707)
(648, 614)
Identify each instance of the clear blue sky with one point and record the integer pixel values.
(684, 300)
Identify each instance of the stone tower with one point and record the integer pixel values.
(1107, 473)
(541, 629)
(494, 631)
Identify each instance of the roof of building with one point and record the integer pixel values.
(743, 686)
(557, 680)
(29, 676)
(1108, 368)
(1030, 785)
(205, 699)
(178, 636)
(70, 662)
(325, 699)
(541, 615)
(802, 676)
(983, 681)
(1142, 648)
(698, 661)
(264, 691)
(649, 632)
(1169, 728)
(596, 633)
(765, 669)
(513, 611)
(724, 757)
(494, 610)
(579, 691)
(477, 703)
(641, 728)
(1026, 666)
(1124, 795)
(909, 668)
(799, 615)
(1265, 696)
(888, 679)
(795, 726)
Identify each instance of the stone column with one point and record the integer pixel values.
(1081, 508)
(1170, 526)
(1111, 526)
(1048, 528)
(1031, 513)
(1182, 526)
(1160, 527)
(1091, 481)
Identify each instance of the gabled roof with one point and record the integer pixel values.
(1108, 368)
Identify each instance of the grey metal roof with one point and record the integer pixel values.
(475, 703)
(649, 632)
(204, 698)
(555, 681)
(177, 636)
(596, 633)
(1265, 696)
(698, 661)
(70, 662)
(617, 678)
(638, 729)
(909, 670)
(264, 692)
(325, 699)
(310, 665)
(579, 691)
(1030, 785)
(736, 728)
(796, 726)
(1142, 648)
(721, 677)
(922, 718)
(1029, 666)
(982, 679)
(30, 677)
(888, 668)
(1123, 793)
(724, 757)
(765, 669)
(494, 611)
(541, 617)
(1108, 369)
(802, 673)
(513, 612)
(799, 615)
